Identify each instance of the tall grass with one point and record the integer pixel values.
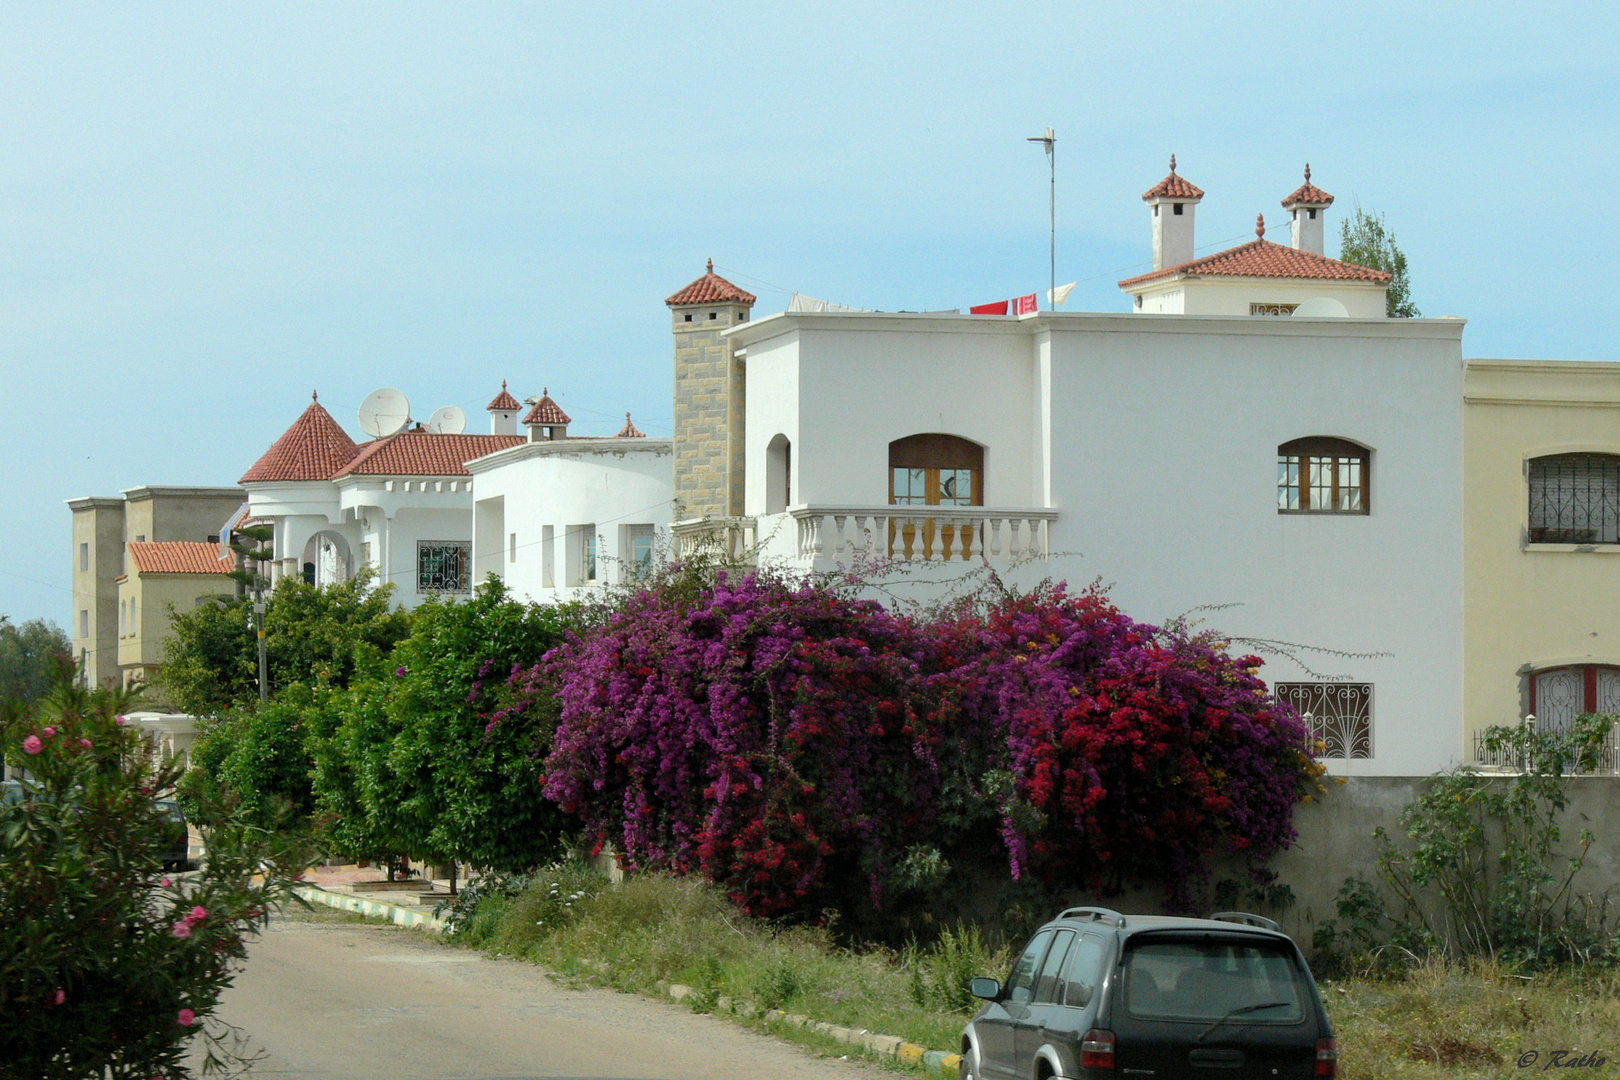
(654, 928)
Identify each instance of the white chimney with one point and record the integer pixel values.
(1307, 208)
(503, 412)
(1174, 203)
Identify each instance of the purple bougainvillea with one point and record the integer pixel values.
(793, 744)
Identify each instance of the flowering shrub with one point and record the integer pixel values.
(106, 966)
(774, 737)
(1133, 752)
(802, 748)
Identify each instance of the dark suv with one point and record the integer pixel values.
(1096, 994)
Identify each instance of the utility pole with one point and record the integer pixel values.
(1049, 141)
(258, 620)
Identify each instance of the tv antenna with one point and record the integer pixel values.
(1049, 140)
(384, 412)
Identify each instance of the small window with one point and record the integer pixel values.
(688, 316)
(548, 557)
(84, 622)
(1046, 982)
(442, 565)
(1083, 971)
(1177, 210)
(84, 556)
(713, 316)
(511, 547)
(1020, 984)
(1312, 212)
(638, 551)
(1155, 209)
(213, 538)
(1322, 476)
(1575, 499)
(1339, 715)
(140, 539)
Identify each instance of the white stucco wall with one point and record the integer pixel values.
(1156, 441)
(611, 484)
(1232, 295)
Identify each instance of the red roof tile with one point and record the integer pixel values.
(314, 448)
(630, 431)
(711, 288)
(422, 453)
(1262, 258)
(504, 401)
(179, 557)
(546, 412)
(1308, 193)
(1173, 187)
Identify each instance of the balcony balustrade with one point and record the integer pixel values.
(921, 533)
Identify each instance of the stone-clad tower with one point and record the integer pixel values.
(709, 398)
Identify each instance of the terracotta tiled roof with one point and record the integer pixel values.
(314, 448)
(1262, 258)
(504, 401)
(711, 288)
(422, 453)
(179, 557)
(1173, 187)
(546, 412)
(630, 431)
(1308, 193)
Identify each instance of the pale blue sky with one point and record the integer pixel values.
(208, 210)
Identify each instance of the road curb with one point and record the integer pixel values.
(394, 913)
(937, 1062)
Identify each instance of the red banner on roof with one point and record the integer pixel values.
(999, 308)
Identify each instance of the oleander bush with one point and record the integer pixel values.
(108, 968)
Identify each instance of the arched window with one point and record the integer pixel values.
(1559, 695)
(1575, 499)
(778, 475)
(1321, 475)
(936, 470)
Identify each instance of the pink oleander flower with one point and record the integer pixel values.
(167, 883)
(186, 1017)
(32, 744)
(181, 929)
(49, 733)
(61, 996)
(85, 743)
(120, 720)
(199, 913)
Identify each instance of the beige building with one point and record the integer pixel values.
(164, 577)
(102, 529)
(1541, 530)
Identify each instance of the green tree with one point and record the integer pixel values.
(33, 657)
(410, 747)
(1365, 240)
(210, 661)
(256, 759)
(107, 968)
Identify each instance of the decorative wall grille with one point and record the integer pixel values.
(442, 566)
(1575, 499)
(1339, 715)
(1272, 309)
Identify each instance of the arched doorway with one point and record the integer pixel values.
(326, 559)
(778, 475)
(935, 469)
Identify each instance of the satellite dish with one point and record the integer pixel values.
(384, 412)
(1321, 307)
(449, 420)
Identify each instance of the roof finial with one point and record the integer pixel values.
(545, 391)
(314, 395)
(1307, 172)
(1172, 163)
(711, 266)
(627, 417)
(1260, 226)
(503, 384)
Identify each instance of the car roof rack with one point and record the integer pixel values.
(1246, 919)
(1093, 914)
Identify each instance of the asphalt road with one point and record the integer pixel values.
(332, 1000)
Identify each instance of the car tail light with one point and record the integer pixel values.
(1327, 1058)
(1097, 1050)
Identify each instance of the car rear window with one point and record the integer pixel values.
(1212, 978)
